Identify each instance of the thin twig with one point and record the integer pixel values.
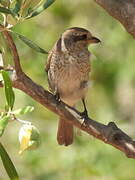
(1, 84)
(14, 51)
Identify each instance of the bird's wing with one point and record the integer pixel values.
(56, 49)
(47, 66)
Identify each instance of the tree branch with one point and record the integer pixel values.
(13, 49)
(123, 11)
(109, 134)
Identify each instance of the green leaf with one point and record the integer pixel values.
(41, 8)
(17, 6)
(24, 110)
(10, 97)
(8, 164)
(5, 3)
(5, 10)
(3, 123)
(31, 44)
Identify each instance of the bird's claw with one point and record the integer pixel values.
(57, 97)
(84, 115)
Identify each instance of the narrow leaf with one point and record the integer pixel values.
(31, 44)
(41, 8)
(10, 97)
(24, 110)
(8, 164)
(3, 123)
(5, 10)
(17, 6)
(5, 3)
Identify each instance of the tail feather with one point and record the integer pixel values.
(65, 133)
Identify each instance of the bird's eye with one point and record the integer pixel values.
(83, 37)
(80, 38)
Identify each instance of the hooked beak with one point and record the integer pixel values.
(93, 40)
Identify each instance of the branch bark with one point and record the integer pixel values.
(123, 11)
(13, 49)
(109, 134)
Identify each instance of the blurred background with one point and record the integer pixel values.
(111, 97)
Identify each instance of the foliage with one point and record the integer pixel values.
(29, 136)
(11, 171)
(111, 97)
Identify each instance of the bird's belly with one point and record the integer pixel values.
(69, 84)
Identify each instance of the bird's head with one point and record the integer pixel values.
(78, 37)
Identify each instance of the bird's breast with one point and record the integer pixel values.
(70, 75)
(72, 69)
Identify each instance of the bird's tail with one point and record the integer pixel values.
(65, 133)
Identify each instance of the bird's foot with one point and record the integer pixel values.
(84, 117)
(57, 97)
(84, 114)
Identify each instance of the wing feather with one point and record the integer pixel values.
(55, 49)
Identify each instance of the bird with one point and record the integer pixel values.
(68, 67)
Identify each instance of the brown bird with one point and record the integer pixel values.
(68, 70)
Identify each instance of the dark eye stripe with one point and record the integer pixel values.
(79, 38)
